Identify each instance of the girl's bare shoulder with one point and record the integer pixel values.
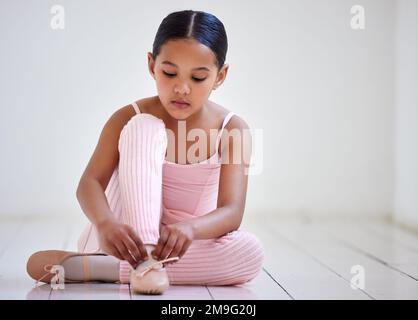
(219, 112)
(235, 122)
(125, 113)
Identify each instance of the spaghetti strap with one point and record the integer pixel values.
(224, 123)
(134, 104)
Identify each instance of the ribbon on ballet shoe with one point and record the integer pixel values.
(156, 266)
(48, 270)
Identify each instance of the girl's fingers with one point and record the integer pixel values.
(132, 248)
(125, 254)
(169, 246)
(115, 252)
(142, 251)
(156, 253)
(183, 250)
(177, 248)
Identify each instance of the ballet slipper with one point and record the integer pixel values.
(40, 265)
(152, 279)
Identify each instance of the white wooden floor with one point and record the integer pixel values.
(304, 260)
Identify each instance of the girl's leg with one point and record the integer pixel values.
(134, 192)
(142, 148)
(232, 259)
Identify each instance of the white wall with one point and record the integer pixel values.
(406, 163)
(322, 92)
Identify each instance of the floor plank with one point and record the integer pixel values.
(382, 249)
(261, 287)
(380, 282)
(40, 292)
(92, 291)
(393, 233)
(177, 292)
(301, 276)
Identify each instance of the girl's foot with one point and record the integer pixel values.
(72, 266)
(150, 277)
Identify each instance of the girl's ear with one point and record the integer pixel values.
(151, 64)
(220, 78)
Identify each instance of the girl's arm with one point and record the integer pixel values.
(232, 186)
(92, 200)
(215, 223)
(96, 176)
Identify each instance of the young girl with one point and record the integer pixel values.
(159, 213)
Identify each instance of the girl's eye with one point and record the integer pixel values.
(169, 74)
(173, 75)
(198, 79)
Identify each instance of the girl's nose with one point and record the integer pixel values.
(182, 88)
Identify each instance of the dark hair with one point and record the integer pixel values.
(198, 25)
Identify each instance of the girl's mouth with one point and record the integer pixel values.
(180, 105)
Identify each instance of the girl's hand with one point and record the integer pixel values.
(121, 241)
(174, 241)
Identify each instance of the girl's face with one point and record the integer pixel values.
(185, 70)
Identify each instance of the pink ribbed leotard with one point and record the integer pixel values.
(146, 190)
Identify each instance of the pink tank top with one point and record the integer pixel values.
(190, 190)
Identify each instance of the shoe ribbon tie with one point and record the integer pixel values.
(156, 266)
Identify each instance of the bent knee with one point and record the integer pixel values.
(144, 127)
(248, 262)
(252, 268)
(240, 237)
(145, 121)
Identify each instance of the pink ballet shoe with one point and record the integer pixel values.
(152, 279)
(40, 265)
